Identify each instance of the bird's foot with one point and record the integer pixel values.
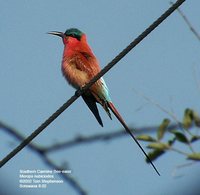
(78, 92)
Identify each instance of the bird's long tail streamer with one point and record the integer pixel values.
(118, 116)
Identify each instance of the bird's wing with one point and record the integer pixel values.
(88, 64)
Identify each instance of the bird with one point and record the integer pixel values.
(79, 66)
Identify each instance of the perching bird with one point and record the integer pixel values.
(79, 66)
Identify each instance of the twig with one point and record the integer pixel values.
(174, 174)
(148, 99)
(197, 80)
(188, 23)
(73, 183)
(178, 151)
(81, 139)
(167, 112)
(39, 151)
(102, 137)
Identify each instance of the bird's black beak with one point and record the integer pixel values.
(60, 34)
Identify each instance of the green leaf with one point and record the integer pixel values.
(171, 141)
(188, 118)
(145, 137)
(196, 119)
(154, 155)
(158, 146)
(180, 136)
(194, 138)
(194, 156)
(162, 128)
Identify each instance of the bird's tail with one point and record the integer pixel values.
(118, 116)
(91, 102)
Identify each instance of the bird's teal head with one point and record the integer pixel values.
(72, 32)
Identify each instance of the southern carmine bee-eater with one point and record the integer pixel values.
(79, 66)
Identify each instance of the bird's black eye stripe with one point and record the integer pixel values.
(75, 36)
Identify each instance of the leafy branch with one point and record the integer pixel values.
(156, 144)
(160, 146)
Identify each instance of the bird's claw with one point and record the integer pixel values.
(78, 91)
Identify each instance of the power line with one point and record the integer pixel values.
(79, 92)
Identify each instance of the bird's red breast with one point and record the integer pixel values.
(79, 65)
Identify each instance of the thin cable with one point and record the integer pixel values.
(79, 92)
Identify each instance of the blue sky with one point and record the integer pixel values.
(32, 88)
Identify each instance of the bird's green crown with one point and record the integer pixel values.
(74, 32)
